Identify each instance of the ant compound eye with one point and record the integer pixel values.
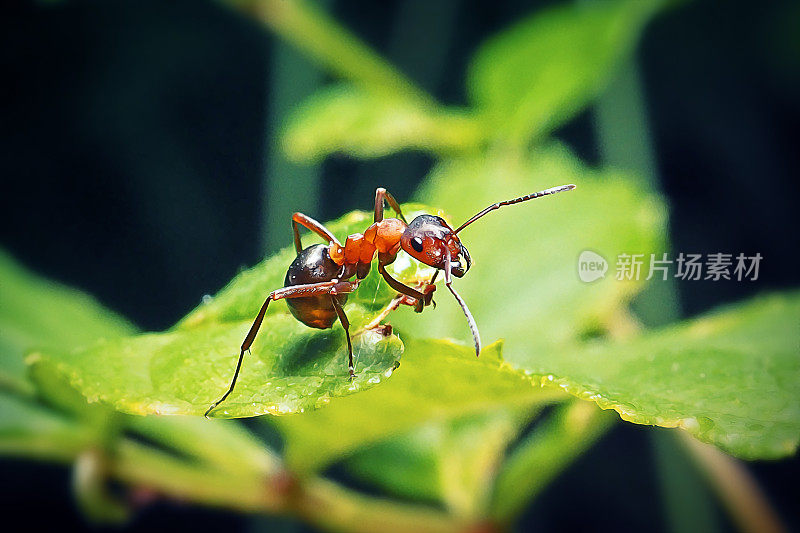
(416, 244)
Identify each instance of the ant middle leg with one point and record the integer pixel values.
(382, 194)
(423, 299)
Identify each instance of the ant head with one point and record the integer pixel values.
(426, 239)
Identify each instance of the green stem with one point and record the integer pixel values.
(316, 501)
(334, 47)
(735, 487)
(334, 508)
(145, 467)
(687, 501)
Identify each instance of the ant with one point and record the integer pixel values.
(318, 280)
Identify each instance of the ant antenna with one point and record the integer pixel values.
(448, 280)
(525, 198)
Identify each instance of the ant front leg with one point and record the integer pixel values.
(294, 291)
(382, 194)
(422, 299)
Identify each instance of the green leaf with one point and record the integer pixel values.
(291, 368)
(343, 118)
(40, 313)
(405, 465)
(437, 380)
(54, 391)
(544, 70)
(729, 378)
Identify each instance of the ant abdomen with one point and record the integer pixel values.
(313, 265)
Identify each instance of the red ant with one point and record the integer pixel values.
(318, 280)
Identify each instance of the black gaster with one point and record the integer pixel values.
(313, 265)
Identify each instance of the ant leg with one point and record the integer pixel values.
(248, 341)
(380, 195)
(311, 224)
(430, 287)
(448, 280)
(293, 291)
(400, 287)
(346, 325)
(398, 300)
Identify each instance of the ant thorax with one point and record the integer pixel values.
(382, 237)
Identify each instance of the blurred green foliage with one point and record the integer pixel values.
(442, 426)
(37, 313)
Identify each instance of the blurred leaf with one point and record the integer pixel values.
(53, 390)
(329, 44)
(291, 368)
(541, 456)
(33, 431)
(226, 444)
(453, 461)
(523, 286)
(405, 465)
(437, 380)
(40, 313)
(729, 378)
(343, 118)
(100, 421)
(472, 450)
(544, 70)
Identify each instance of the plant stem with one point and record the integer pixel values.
(332, 507)
(735, 486)
(314, 500)
(687, 501)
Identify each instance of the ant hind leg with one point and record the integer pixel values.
(346, 325)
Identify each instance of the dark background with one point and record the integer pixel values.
(133, 146)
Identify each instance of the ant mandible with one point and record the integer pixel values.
(318, 280)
